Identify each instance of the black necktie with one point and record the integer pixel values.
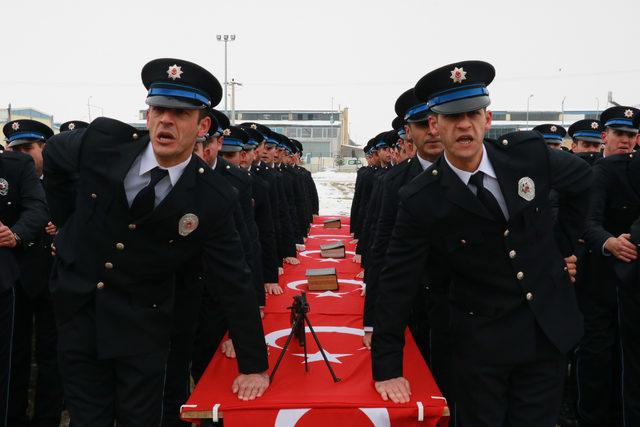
(486, 198)
(145, 200)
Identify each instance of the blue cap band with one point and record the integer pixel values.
(380, 144)
(416, 109)
(232, 141)
(402, 134)
(587, 133)
(552, 136)
(456, 94)
(25, 135)
(180, 91)
(619, 122)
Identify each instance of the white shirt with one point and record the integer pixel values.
(425, 163)
(139, 176)
(490, 180)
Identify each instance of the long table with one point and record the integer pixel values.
(299, 398)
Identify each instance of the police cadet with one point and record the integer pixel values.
(262, 209)
(552, 134)
(613, 304)
(406, 148)
(415, 113)
(483, 207)
(308, 186)
(23, 217)
(143, 207)
(34, 311)
(362, 180)
(586, 137)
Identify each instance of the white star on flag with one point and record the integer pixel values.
(317, 357)
(458, 75)
(329, 260)
(330, 294)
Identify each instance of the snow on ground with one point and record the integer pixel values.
(335, 191)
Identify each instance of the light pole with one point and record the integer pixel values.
(528, 99)
(225, 38)
(563, 99)
(597, 105)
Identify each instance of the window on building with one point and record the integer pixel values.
(292, 132)
(317, 133)
(304, 132)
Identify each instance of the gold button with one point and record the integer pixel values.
(120, 246)
(100, 285)
(505, 142)
(506, 233)
(463, 242)
(201, 170)
(631, 155)
(8, 203)
(94, 196)
(108, 265)
(132, 226)
(512, 254)
(135, 136)
(520, 275)
(434, 172)
(529, 296)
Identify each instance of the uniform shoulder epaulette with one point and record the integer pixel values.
(512, 139)
(398, 169)
(618, 158)
(14, 156)
(115, 128)
(430, 176)
(214, 180)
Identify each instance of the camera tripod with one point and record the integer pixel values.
(299, 318)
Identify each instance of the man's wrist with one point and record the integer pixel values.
(17, 239)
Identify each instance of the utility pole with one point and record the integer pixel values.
(233, 85)
(9, 113)
(226, 38)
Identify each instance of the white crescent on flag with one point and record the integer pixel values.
(289, 417)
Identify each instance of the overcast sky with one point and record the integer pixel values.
(299, 54)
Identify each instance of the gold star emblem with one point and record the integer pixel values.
(15, 126)
(628, 113)
(253, 126)
(594, 125)
(553, 128)
(226, 132)
(458, 75)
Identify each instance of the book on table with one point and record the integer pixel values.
(322, 279)
(332, 223)
(333, 250)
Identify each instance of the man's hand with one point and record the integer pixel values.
(396, 389)
(300, 248)
(366, 340)
(571, 267)
(227, 349)
(622, 248)
(51, 229)
(7, 239)
(273, 289)
(250, 386)
(360, 275)
(280, 271)
(292, 260)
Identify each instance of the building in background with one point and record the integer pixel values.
(9, 113)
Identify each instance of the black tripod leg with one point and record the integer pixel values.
(306, 361)
(324, 356)
(286, 345)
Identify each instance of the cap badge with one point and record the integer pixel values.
(188, 223)
(226, 132)
(72, 126)
(174, 72)
(526, 188)
(594, 125)
(4, 187)
(253, 126)
(458, 75)
(553, 128)
(15, 126)
(628, 113)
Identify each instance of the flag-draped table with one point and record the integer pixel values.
(306, 399)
